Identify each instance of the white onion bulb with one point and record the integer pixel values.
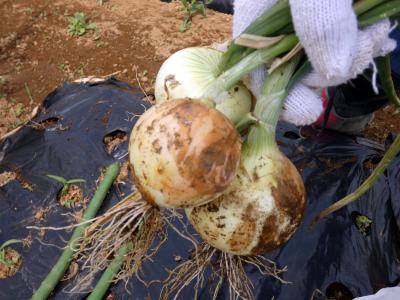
(193, 73)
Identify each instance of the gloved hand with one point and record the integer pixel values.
(336, 48)
(391, 293)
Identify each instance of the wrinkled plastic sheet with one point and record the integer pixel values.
(332, 165)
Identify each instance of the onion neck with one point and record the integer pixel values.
(258, 58)
(261, 140)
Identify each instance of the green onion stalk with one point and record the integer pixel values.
(59, 269)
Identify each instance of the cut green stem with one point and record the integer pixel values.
(278, 20)
(385, 74)
(383, 11)
(112, 270)
(255, 60)
(363, 6)
(366, 185)
(59, 269)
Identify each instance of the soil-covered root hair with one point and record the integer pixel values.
(223, 266)
(133, 223)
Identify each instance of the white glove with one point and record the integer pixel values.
(338, 51)
(392, 293)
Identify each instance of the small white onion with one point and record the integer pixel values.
(193, 73)
(183, 153)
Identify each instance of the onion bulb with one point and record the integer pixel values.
(193, 73)
(265, 203)
(183, 153)
(259, 212)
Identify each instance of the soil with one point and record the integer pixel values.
(15, 257)
(132, 38)
(41, 214)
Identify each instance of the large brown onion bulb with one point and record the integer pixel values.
(183, 153)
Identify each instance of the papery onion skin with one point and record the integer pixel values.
(256, 214)
(183, 154)
(191, 72)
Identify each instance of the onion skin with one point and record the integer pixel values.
(258, 213)
(183, 154)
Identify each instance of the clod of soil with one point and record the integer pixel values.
(15, 260)
(72, 197)
(123, 173)
(71, 272)
(113, 139)
(6, 177)
(41, 213)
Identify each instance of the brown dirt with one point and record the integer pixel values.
(41, 214)
(386, 120)
(7, 177)
(133, 37)
(15, 257)
(73, 197)
(123, 173)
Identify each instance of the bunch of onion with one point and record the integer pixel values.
(184, 152)
(159, 150)
(258, 212)
(264, 205)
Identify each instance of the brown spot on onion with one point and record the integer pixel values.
(243, 235)
(267, 239)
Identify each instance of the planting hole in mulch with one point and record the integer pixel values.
(113, 139)
(45, 124)
(362, 223)
(14, 261)
(338, 291)
(291, 135)
(71, 197)
(371, 163)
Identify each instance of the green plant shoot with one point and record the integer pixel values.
(192, 7)
(78, 26)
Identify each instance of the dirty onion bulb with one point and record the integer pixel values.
(265, 203)
(183, 153)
